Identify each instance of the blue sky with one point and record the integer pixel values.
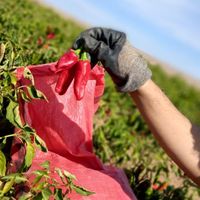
(166, 29)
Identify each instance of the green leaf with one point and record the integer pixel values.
(19, 178)
(59, 171)
(28, 129)
(82, 191)
(2, 164)
(5, 198)
(69, 175)
(3, 143)
(8, 185)
(40, 186)
(24, 96)
(40, 172)
(26, 196)
(30, 153)
(13, 114)
(37, 179)
(1, 105)
(6, 79)
(28, 75)
(35, 94)
(13, 78)
(11, 58)
(46, 193)
(38, 197)
(45, 164)
(2, 51)
(40, 143)
(58, 194)
(60, 174)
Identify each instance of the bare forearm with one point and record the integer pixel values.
(173, 130)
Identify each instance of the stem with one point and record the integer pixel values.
(84, 56)
(22, 86)
(11, 135)
(7, 136)
(77, 52)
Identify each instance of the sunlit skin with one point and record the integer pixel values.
(174, 132)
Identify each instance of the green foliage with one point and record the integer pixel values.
(30, 153)
(2, 164)
(25, 41)
(28, 25)
(121, 136)
(43, 185)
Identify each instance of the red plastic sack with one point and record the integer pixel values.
(65, 124)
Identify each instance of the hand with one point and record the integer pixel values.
(127, 68)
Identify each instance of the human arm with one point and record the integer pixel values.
(175, 133)
(129, 71)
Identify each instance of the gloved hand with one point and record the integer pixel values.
(121, 60)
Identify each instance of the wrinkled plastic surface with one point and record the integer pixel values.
(65, 124)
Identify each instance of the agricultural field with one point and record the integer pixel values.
(38, 35)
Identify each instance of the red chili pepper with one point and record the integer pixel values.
(64, 80)
(39, 41)
(68, 60)
(83, 68)
(66, 65)
(51, 36)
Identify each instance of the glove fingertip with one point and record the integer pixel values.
(76, 44)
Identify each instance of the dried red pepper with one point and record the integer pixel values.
(82, 73)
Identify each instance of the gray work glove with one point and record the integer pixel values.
(121, 60)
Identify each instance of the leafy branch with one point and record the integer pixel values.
(16, 185)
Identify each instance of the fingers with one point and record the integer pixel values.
(109, 36)
(77, 43)
(93, 35)
(86, 42)
(103, 51)
(89, 38)
(91, 45)
(100, 43)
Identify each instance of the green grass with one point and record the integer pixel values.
(121, 137)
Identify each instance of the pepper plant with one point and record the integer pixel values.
(16, 185)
